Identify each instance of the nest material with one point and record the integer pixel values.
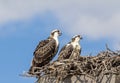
(106, 62)
(94, 67)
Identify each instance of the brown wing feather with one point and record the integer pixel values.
(44, 54)
(41, 44)
(65, 52)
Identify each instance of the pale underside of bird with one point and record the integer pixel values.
(72, 50)
(75, 53)
(45, 51)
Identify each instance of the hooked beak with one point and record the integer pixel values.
(60, 33)
(81, 37)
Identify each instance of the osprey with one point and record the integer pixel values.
(72, 50)
(45, 51)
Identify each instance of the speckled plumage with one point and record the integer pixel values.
(71, 50)
(45, 51)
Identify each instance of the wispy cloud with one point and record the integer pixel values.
(95, 19)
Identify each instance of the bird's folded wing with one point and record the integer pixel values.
(65, 52)
(46, 51)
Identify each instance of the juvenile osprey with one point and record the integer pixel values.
(72, 50)
(45, 51)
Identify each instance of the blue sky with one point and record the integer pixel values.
(24, 23)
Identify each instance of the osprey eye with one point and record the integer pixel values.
(78, 35)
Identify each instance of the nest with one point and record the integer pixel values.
(106, 62)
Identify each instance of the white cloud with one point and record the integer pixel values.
(96, 28)
(93, 18)
(20, 9)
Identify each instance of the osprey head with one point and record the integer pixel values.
(55, 32)
(76, 38)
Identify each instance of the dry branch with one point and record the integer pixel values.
(106, 62)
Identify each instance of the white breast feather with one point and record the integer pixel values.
(76, 44)
(56, 39)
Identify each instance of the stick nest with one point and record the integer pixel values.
(106, 62)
